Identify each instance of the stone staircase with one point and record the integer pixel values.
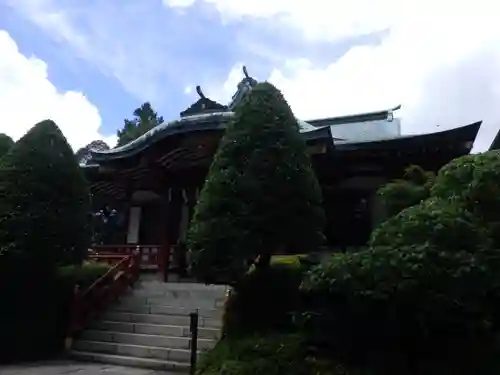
(149, 326)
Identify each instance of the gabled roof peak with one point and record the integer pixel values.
(203, 105)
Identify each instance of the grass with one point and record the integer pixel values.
(287, 259)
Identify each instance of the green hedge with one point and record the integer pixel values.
(84, 275)
(269, 355)
(34, 313)
(408, 301)
(36, 305)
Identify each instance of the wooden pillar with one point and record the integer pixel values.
(183, 217)
(134, 224)
(166, 242)
(174, 204)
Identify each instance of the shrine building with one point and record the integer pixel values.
(154, 181)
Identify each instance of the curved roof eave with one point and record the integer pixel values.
(207, 121)
(353, 118)
(193, 123)
(464, 133)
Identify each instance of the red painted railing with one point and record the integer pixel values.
(151, 255)
(91, 302)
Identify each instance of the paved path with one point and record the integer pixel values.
(68, 367)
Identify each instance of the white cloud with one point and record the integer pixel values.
(440, 60)
(178, 3)
(130, 41)
(314, 18)
(27, 96)
(101, 34)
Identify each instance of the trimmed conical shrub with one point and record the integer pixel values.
(261, 194)
(44, 199)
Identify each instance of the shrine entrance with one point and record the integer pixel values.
(157, 227)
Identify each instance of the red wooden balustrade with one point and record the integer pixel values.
(91, 302)
(151, 255)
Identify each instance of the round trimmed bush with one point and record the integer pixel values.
(436, 222)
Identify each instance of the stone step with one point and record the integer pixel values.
(188, 292)
(155, 329)
(177, 297)
(160, 286)
(162, 307)
(140, 351)
(172, 320)
(149, 363)
(145, 340)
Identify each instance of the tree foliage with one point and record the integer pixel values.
(434, 221)
(145, 119)
(6, 143)
(411, 190)
(261, 193)
(474, 182)
(44, 199)
(83, 154)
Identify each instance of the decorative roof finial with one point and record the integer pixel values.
(203, 105)
(200, 93)
(244, 87)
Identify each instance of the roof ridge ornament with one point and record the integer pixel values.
(200, 93)
(245, 72)
(244, 88)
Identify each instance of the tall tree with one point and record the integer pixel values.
(83, 154)
(145, 119)
(261, 194)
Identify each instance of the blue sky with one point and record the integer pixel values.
(93, 62)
